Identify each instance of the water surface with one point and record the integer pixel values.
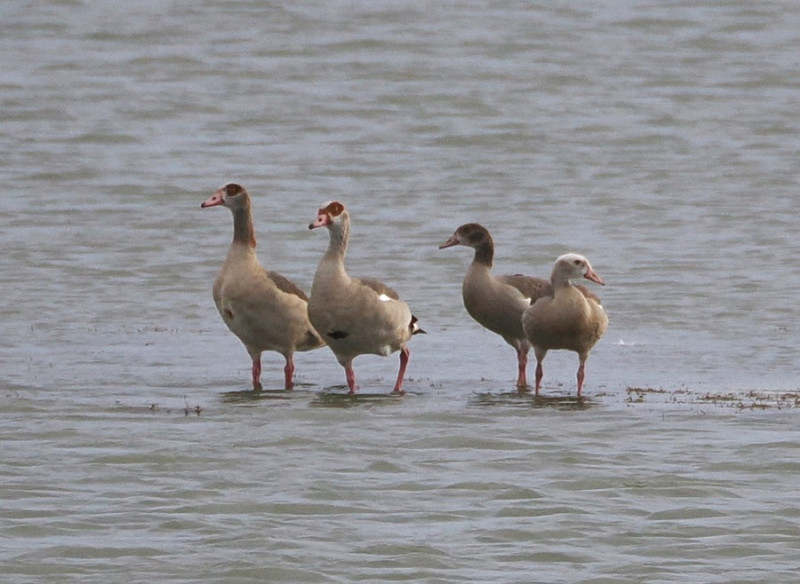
(658, 138)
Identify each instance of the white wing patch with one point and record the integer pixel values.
(384, 298)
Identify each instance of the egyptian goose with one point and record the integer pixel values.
(568, 318)
(497, 302)
(264, 309)
(356, 316)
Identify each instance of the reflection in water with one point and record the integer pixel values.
(335, 399)
(250, 396)
(300, 391)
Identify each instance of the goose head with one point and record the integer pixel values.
(330, 215)
(573, 265)
(232, 195)
(478, 238)
(472, 235)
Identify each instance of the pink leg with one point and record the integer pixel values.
(539, 375)
(351, 378)
(540, 355)
(404, 356)
(522, 362)
(257, 374)
(288, 373)
(580, 378)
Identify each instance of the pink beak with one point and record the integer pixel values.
(216, 199)
(450, 242)
(592, 275)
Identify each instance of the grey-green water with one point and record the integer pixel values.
(658, 138)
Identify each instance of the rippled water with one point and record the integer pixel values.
(658, 138)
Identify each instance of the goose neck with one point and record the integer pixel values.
(243, 232)
(484, 254)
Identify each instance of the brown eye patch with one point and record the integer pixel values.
(334, 209)
(233, 189)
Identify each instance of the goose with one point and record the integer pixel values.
(265, 310)
(568, 318)
(497, 302)
(356, 316)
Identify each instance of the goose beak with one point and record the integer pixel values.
(322, 220)
(592, 275)
(217, 198)
(450, 242)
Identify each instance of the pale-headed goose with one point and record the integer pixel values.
(264, 309)
(568, 318)
(497, 302)
(356, 316)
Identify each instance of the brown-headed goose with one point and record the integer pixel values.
(264, 309)
(356, 316)
(497, 302)
(568, 318)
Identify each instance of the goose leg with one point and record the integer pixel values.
(351, 377)
(288, 373)
(522, 363)
(539, 371)
(539, 375)
(404, 356)
(580, 376)
(257, 373)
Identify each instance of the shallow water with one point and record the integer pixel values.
(660, 139)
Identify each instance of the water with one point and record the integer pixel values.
(658, 138)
